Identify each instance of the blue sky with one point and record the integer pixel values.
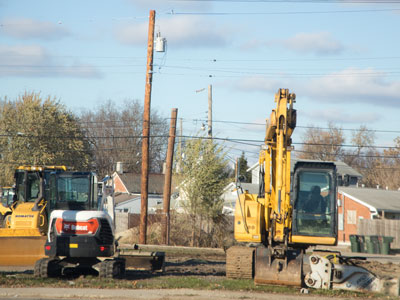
(341, 60)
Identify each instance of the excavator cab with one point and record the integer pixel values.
(313, 200)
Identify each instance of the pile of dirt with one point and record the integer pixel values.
(381, 270)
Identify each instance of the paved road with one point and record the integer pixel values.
(173, 294)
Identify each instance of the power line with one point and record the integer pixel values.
(303, 1)
(297, 126)
(174, 12)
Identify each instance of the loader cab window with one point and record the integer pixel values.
(7, 196)
(314, 206)
(27, 186)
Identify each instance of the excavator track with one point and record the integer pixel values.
(112, 268)
(240, 262)
(47, 267)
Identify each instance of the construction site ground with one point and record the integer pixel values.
(196, 272)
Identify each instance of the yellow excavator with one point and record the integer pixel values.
(7, 194)
(291, 212)
(23, 238)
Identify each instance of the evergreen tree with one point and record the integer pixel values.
(243, 166)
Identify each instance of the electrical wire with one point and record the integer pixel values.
(174, 12)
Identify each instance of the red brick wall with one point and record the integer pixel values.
(119, 186)
(352, 212)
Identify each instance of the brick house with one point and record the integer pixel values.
(130, 183)
(355, 203)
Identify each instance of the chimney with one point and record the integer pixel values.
(119, 167)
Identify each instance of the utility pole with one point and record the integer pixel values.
(168, 178)
(146, 132)
(179, 163)
(210, 111)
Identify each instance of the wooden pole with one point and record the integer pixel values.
(168, 177)
(146, 132)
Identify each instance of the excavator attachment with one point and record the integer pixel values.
(328, 272)
(20, 250)
(271, 268)
(139, 259)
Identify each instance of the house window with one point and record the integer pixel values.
(126, 209)
(352, 217)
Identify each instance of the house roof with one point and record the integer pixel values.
(132, 182)
(250, 187)
(341, 167)
(134, 203)
(381, 200)
(119, 198)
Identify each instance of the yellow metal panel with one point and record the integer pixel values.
(313, 240)
(9, 232)
(249, 228)
(21, 251)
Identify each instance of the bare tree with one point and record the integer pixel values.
(115, 133)
(363, 139)
(322, 144)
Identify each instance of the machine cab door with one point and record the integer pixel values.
(314, 203)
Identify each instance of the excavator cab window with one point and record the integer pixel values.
(72, 191)
(314, 207)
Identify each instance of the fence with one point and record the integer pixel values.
(124, 221)
(382, 228)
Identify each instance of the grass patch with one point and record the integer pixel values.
(171, 282)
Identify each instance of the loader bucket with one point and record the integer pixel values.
(272, 270)
(21, 251)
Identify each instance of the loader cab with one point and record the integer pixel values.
(7, 195)
(73, 191)
(31, 182)
(314, 203)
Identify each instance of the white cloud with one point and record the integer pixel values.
(365, 86)
(341, 115)
(356, 85)
(25, 28)
(258, 84)
(183, 31)
(34, 61)
(319, 43)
